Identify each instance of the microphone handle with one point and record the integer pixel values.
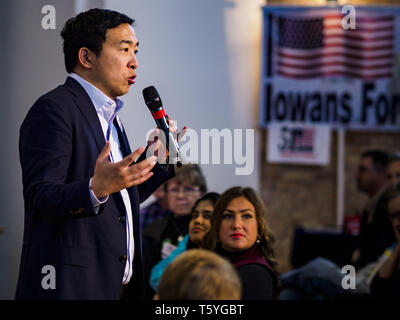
(170, 143)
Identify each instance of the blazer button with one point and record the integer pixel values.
(122, 219)
(123, 258)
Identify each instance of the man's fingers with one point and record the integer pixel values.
(154, 137)
(142, 179)
(105, 152)
(148, 162)
(171, 124)
(137, 174)
(132, 157)
(181, 134)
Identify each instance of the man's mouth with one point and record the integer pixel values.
(131, 80)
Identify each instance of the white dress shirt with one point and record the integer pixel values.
(107, 109)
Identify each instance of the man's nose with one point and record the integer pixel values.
(133, 63)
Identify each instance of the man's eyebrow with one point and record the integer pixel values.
(128, 42)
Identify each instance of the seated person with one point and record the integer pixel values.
(161, 237)
(321, 278)
(156, 210)
(386, 283)
(199, 275)
(199, 225)
(239, 233)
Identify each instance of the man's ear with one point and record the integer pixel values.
(85, 58)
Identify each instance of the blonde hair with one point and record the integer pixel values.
(199, 274)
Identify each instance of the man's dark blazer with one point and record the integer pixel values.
(60, 140)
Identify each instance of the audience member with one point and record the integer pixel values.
(161, 237)
(386, 283)
(375, 231)
(156, 210)
(393, 170)
(199, 275)
(239, 232)
(321, 278)
(199, 225)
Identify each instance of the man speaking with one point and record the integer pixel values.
(82, 184)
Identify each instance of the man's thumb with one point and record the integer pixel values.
(105, 152)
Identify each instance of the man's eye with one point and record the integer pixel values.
(126, 49)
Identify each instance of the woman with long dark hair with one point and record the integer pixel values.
(240, 233)
(199, 225)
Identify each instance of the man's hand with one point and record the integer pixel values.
(113, 177)
(157, 147)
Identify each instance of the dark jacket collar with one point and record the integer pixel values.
(86, 107)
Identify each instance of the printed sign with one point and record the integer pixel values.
(299, 143)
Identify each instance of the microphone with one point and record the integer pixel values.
(154, 103)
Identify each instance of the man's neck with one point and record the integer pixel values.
(86, 76)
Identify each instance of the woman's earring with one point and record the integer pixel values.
(258, 239)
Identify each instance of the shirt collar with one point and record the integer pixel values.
(104, 105)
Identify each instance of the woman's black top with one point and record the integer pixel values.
(259, 282)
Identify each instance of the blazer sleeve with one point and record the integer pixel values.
(45, 147)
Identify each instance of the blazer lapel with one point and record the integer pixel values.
(87, 108)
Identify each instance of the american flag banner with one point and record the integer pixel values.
(313, 47)
(331, 65)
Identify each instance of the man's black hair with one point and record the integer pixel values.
(88, 29)
(379, 158)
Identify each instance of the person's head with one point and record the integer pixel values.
(393, 170)
(371, 173)
(182, 191)
(199, 274)
(239, 223)
(101, 46)
(200, 223)
(392, 200)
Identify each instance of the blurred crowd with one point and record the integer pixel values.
(204, 245)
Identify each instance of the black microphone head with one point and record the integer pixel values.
(151, 98)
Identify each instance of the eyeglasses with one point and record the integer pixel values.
(187, 191)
